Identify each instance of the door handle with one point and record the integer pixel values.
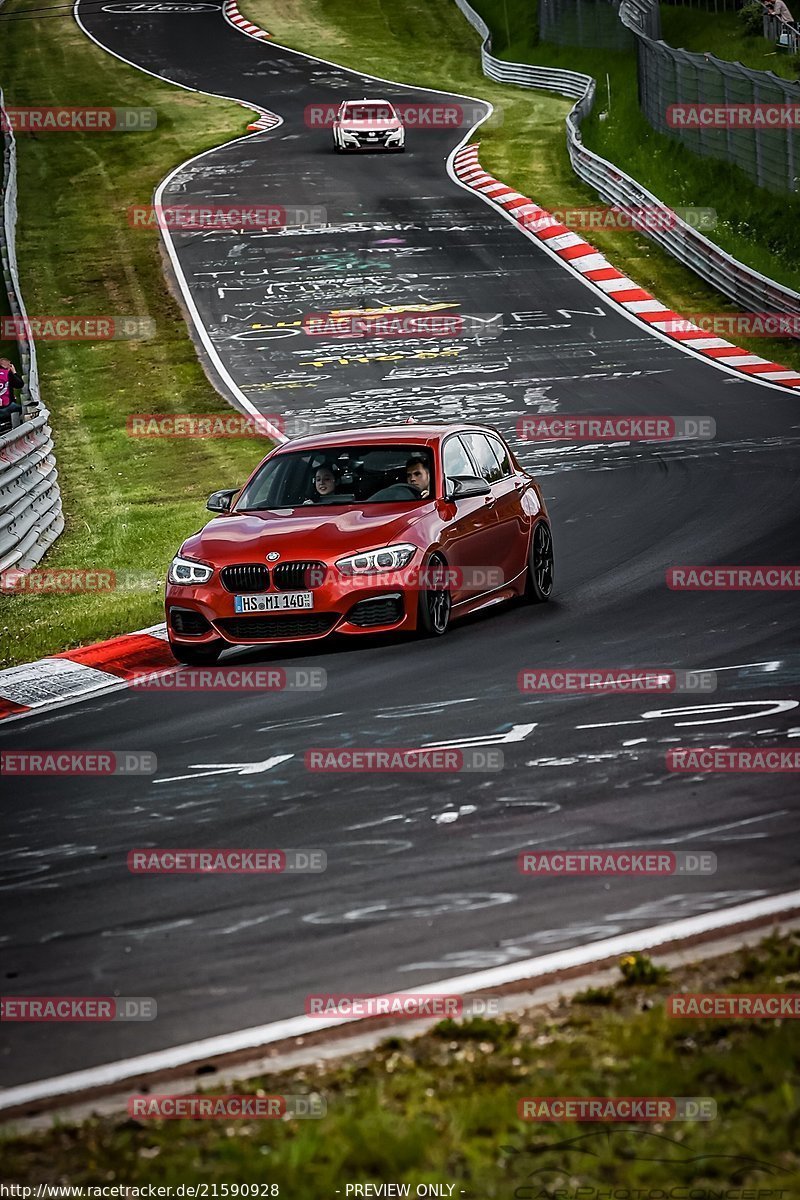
(490, 500)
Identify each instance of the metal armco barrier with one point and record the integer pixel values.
(748, 289)
(30, 501)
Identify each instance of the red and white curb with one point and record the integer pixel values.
(267, 120)
(230, 10)
(78, 673)
(597, 270)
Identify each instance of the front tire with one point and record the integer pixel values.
(435, 603)
(541, 565)
(196, 656)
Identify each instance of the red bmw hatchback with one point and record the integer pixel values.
(370, 530)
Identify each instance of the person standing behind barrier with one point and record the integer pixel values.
(781, 11)
(9, 381)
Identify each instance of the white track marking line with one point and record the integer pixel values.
(166, 234)
(262, 1035)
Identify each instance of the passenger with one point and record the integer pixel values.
(418, 475)
(324, 483)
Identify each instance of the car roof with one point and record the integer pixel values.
(408, 435)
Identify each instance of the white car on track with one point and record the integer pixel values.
(368, 125)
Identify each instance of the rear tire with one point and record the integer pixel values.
(196, 656)
(541, 565)
(435, 603)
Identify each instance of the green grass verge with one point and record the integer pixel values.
(413, 41)
(128, 503)
(721, 34)
(443, 1108)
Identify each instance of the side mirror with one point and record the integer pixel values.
(220, 502)
(462, 486)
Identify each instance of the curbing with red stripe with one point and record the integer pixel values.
(231, 11)
(36, 686)
(594, 267)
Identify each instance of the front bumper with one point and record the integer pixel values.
(365, 143)
(201, 614)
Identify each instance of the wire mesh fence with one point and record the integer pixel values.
(715, 6)
(723, 110)
(591, 23)
(717, 109)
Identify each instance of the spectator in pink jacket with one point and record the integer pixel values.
(10, 380)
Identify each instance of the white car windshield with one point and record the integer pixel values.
(368, 112)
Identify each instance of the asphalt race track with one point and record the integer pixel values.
(422, 881)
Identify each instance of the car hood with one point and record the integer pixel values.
(313, 532)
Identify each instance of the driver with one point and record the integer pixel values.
(418, 475)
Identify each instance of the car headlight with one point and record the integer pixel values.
(395, 136)
(186, 570)
(374, 562)
(349, 137)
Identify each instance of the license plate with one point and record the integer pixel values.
(277, 602)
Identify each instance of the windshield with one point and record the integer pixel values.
(342, 475)
(368, 112)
